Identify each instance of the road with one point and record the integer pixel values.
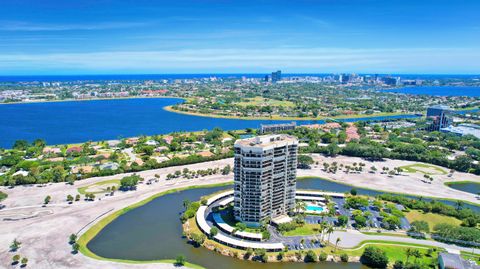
(352, 238)
(44, 231)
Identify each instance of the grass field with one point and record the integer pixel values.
(397, 251)
(423, 168)
(260, 101)
(306, 229)
(431, 218)
(100, 189)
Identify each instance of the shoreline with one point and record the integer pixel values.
(92, 99)
(391, 192)
(96, 228)
(353, 116)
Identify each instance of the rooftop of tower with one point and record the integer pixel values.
(265, 141)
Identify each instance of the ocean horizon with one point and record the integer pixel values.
(120, 77)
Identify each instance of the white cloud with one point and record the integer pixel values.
(31, 27)
(416, 60)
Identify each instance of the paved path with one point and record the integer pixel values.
(352, 239)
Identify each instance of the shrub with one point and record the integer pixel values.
(398, 265)
(180, 260)
(311, 256)
(197, 239)
(323, 256)
(342, 220)
(248, 253)
(344, 257)
(285, 227)
(261, 255)
(280, 255)
(374, 257)
(213, 231)
(190, 212)
(129, 182)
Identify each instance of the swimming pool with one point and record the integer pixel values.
(314, 208)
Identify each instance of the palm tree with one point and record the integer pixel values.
(322, 229)
(459, 204)
(300, 206)
(336, 243)
(408, 252)
(417, 254)
(329, 231)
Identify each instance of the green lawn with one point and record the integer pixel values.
(431, 218)
(306, 229)
(3, 196)
(83, 190)
(260, 101)
(423, 168)
(397, 251)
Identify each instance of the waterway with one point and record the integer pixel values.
(153, 232)
(77, 122)
(440, 90)
(470, 187)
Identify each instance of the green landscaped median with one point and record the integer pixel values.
(423, 168)
(396, 250)
(112, 182)
(97, 227)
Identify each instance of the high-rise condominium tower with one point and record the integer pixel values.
(265, 177)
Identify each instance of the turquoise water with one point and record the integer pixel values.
(315, 208)
(78, 122)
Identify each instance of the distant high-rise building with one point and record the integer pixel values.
(267, 78)
(344, 78)
(276, 76)
(278, 127)
(439, 116)
(391, 81)
(265, 173)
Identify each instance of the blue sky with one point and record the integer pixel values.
(323, 36)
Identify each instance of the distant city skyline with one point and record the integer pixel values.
(190, 37)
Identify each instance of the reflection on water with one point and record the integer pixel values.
(153, 232)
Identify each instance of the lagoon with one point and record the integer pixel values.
(81, 121)
(466, 186)
(153, 231)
